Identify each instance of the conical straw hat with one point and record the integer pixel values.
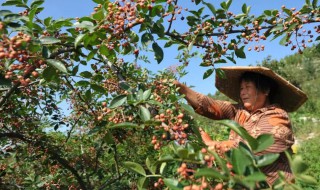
(289, 97)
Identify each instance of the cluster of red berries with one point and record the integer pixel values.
(172, 125)
(112, 85)
(159, 184)
(115, 118)
(21, 69)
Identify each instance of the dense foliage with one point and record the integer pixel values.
(78, 111)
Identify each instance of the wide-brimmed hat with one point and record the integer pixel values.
(289, 97)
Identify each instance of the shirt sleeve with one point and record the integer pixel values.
(215, 109)
(276, 122)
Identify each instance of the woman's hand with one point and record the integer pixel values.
(219, 146)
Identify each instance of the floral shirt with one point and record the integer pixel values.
(268, 120)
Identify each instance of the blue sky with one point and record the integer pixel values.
(77, 8)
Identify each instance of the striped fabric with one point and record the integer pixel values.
(268, 120)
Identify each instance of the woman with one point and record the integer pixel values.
(264, 98)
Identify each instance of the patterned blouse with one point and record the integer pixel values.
(271, 120)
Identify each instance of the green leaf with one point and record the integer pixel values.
(244, 8)
(118, 101)
(173, 184)
(223, 5)
(298, 165)
(158, 52)
(240, 53)
(208, 73)
(98, 88)
(182, 153)
(125, 125)
(75, 70)
(82, 83)
(283, 40)
(241, 132)
(222, 163)
(307, 2)
(142, 183)
(187, 107)
(307, 179)
(239, 161)
(162, 167)
(276, 28)
(146, 94)
(267, 12)
(165, 158)
(211, 7)
(229, 2)
(146, 38)
(288, 11)
(144, 113)
(49, 40)
(264, 141)
(315, 4)
(88, 95)
(11, 2)
(266, 159)
(86, 74)
(57, 64)
(79, 39)
(85, 24)
(133, 37)
(123, 85)
(257, 176)
(92, 54)
(135, 167)
(151, 166)
(36, 3)
(209, 172)
(220, 73)
(45, 52)
(49, 74)
(5, 12)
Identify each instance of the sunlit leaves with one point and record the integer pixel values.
(266, 159)
(57, 64)
(125, 125)
(85, 25)
(240, 161)
(144, 113)
(78, 39)
(49, 40)
(118, 101)
(135, 167)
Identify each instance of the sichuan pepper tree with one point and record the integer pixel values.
(79, 111)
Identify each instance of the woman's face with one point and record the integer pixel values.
(251, 97)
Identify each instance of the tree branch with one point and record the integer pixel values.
(27, 74)
(51, 152)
